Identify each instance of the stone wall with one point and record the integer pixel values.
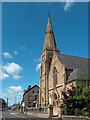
(74, 118)
(44, 114)
(36, 112)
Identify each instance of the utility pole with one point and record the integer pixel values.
(7, 101)
(15, 100)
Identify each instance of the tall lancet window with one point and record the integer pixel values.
(55, 76)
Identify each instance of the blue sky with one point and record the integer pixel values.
(23, 32)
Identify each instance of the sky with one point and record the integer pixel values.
(23, 34)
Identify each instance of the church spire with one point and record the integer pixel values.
(50, 42)
(49, 25)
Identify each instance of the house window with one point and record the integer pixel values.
(33, 91)
(55, 76)
(36, 97)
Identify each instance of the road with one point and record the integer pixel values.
(7, 115)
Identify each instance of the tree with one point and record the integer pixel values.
(77, 99)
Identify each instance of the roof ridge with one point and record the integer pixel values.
(30, 88)
(74, 56)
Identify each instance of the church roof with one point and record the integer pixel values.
(75, 75)
(50, 42)
(72, 62)
(79, 65)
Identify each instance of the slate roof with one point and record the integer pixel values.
(73, 62)
(79, 65)
(75, 75)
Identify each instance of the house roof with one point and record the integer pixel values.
(30, 89)
(2, 100)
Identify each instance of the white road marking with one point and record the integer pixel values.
(16, 114)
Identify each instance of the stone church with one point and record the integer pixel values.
(58, 71)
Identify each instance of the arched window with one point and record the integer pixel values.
(55, 76)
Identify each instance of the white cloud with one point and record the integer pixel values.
(14, 90)
(13, 69)
(7, 55)
(68, 4)
(38, 66)
(3, 76)
(37, 60)
(3, 95)
(17, 77)
(15, 52)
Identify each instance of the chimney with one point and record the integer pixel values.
(29, 87)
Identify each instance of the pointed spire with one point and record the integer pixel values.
(50, 42)
(49, 24)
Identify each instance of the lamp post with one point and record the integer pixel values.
(7, 102)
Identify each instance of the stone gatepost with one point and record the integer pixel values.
(59, 112)
(50, 107)
(60, 109)
(50, 111)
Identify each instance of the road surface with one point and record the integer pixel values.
(8, 115)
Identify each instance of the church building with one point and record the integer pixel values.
(58, 71)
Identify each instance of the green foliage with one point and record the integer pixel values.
(77, 112)
(64, 109)
(78, 101)
(82, 89)
(85, 114)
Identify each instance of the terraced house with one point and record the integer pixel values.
(31, 96)
(58, 71)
